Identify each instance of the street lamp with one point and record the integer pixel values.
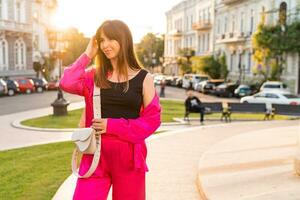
(161, 60)
(153, 61)
(57, 44)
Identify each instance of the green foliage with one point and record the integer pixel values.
(270, 44)
(184, 60)
(37, 67)
(224, 68)
(150, 48)
(48, 67)
(216, 68)
(77, 45)
(185, 66)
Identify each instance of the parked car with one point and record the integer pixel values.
(53, 85)
(274, 85)
(179, 82)
(3, 87)
(243, 90)
(12, 87)
(25, 85)
(157, 78)
(40, 84)
(169, 79)
(225, 89)
(173, 82)
(189, 80)
(211, 85)
(199, 86)
(273, 97)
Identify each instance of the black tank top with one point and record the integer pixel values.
(115, 103)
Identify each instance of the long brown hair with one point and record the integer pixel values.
(119, 31)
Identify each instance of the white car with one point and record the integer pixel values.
(189, 80)
(199, 86)
(274, 85)
(273, 97)
(157, 78)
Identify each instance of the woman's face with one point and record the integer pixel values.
(109, 47)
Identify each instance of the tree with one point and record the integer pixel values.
(215, 67)
(77, 45)
(149, 50)
(184, 60)
(37, 67)
(271, 43)
(185, 66)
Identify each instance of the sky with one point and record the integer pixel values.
(142, 16)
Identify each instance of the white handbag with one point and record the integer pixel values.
(86, 140)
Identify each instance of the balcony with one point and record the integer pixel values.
(232, 37)
(228, 2)
(202, 25)
(15, 26)
(176, 33)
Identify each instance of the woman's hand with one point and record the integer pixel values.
(92, 48)
(99, 125)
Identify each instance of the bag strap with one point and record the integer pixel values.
(94, 164)
(96, 157)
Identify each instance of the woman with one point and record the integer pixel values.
(130, 113)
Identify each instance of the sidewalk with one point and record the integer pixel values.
(11, 137)
(256, 165)
(173, 159)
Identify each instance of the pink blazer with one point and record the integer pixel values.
(78, 80)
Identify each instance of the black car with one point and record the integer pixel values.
(40, 84)
(210, 85)
(225, 89)
(12, 87)
(3, 87)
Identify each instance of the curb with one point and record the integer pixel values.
(17, 124)
(178, 121)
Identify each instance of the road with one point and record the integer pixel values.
(23, 102)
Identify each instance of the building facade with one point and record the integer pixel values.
(18, 35)
(235, 23)
(226, 27)
(189, 25)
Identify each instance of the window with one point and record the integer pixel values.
(18, 12)
(233, 24)
(249, 62)
(290, 96)
(252, 22)
(225, 25)
(199, 15)
(1, 8)
(20, 54)
(3, 54)
(203, 42)
(272, 96)
(260, 95)
(208, 39)
(242, 22)
(218, 26)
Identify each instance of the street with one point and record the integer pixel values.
(22, 102)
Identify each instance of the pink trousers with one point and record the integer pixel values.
(114, 169)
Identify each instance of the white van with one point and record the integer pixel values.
(190, 80)
(274, 85)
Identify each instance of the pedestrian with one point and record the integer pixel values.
(162, 87)
(193, 104)
(130, 113)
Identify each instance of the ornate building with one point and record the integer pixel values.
(22, 35)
